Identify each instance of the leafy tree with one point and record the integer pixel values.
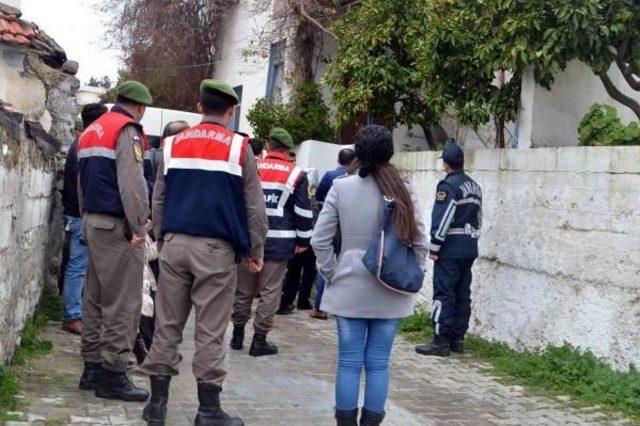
(375, 70)
(549, 33)
(305, 116)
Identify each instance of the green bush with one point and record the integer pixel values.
(601, 126)
(304, 117)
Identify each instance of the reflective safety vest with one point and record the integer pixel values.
(204, 189)
(287, 203)
(97, 163)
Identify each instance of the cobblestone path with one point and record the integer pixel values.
(296, 388)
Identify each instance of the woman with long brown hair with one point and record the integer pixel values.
(367, 313)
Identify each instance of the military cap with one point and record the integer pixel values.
(453, 155)
(134, 91)
(279, 134)
(219, 86)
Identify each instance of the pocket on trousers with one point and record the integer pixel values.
(104, 224)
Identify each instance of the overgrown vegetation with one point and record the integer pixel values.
(305, 116)
(557, 371)
(601, 126)
(48, 309)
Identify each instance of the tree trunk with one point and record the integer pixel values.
(617, 94)
(428, 135)
(500, 139)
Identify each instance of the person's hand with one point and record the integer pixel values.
(300, 250)
(137, 241)
(255, 265)
(434, 257)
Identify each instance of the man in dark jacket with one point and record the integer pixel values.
(345, 158)
(76, 264)
(455, 228)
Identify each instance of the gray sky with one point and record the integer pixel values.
(78, 28)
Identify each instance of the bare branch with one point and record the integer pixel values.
(628, 75)
(299, 7)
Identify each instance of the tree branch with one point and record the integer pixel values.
(297, 5)
(616, 94)
(628, 75)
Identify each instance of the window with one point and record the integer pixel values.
(235, 121)
(275, 77)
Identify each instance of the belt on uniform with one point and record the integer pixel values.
(468, 230)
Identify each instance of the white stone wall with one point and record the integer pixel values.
(560, 249)
(27, 183)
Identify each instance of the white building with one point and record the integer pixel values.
(89, 95)
(547, 118)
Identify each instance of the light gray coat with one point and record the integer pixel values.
(355, 207)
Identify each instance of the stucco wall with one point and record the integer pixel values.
(560, 248)
(27, 182)
(552, 118)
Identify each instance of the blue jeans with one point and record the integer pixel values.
(364, 343)
(319, 292)
(75, 269)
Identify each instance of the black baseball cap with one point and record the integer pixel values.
(453, 155)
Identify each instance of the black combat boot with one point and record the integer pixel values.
(155, 412)
(113, 385)
(371, 419)
(457, 345)
(140, 349)
(347, 418)
(260, 346)
(90, 375)
(438, 347)
(209, 411)
(237, 340)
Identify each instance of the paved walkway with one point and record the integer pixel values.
(296, 388)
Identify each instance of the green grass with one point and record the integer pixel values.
(555, 371)
(48, 309)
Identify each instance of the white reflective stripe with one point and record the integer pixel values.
(166, 152)
(236, 149)
(446, 221)
(303, 212)
(469, 200)
(284, 198)
(274, 186)
(293, 177)
(275, 212)
(147, 155)
(457, 231)
(437, 309)
(281, 234)
(304, 234)
(97, 152)
(434, 247)
(208, 165)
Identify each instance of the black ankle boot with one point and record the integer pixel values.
(209, 412)
(90, 375)
(457, 345)
(140, 349)
(155, 412)
(438, 347)
(114, 385)
(347, 418)
(260, 346)
(371, 419)
(237, 340)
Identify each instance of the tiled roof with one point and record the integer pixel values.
(13, 30)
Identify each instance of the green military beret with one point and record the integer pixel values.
(219, 86)
(279, 134)
(134, 91)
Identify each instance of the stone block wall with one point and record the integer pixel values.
(27, 182)
(560, 247)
